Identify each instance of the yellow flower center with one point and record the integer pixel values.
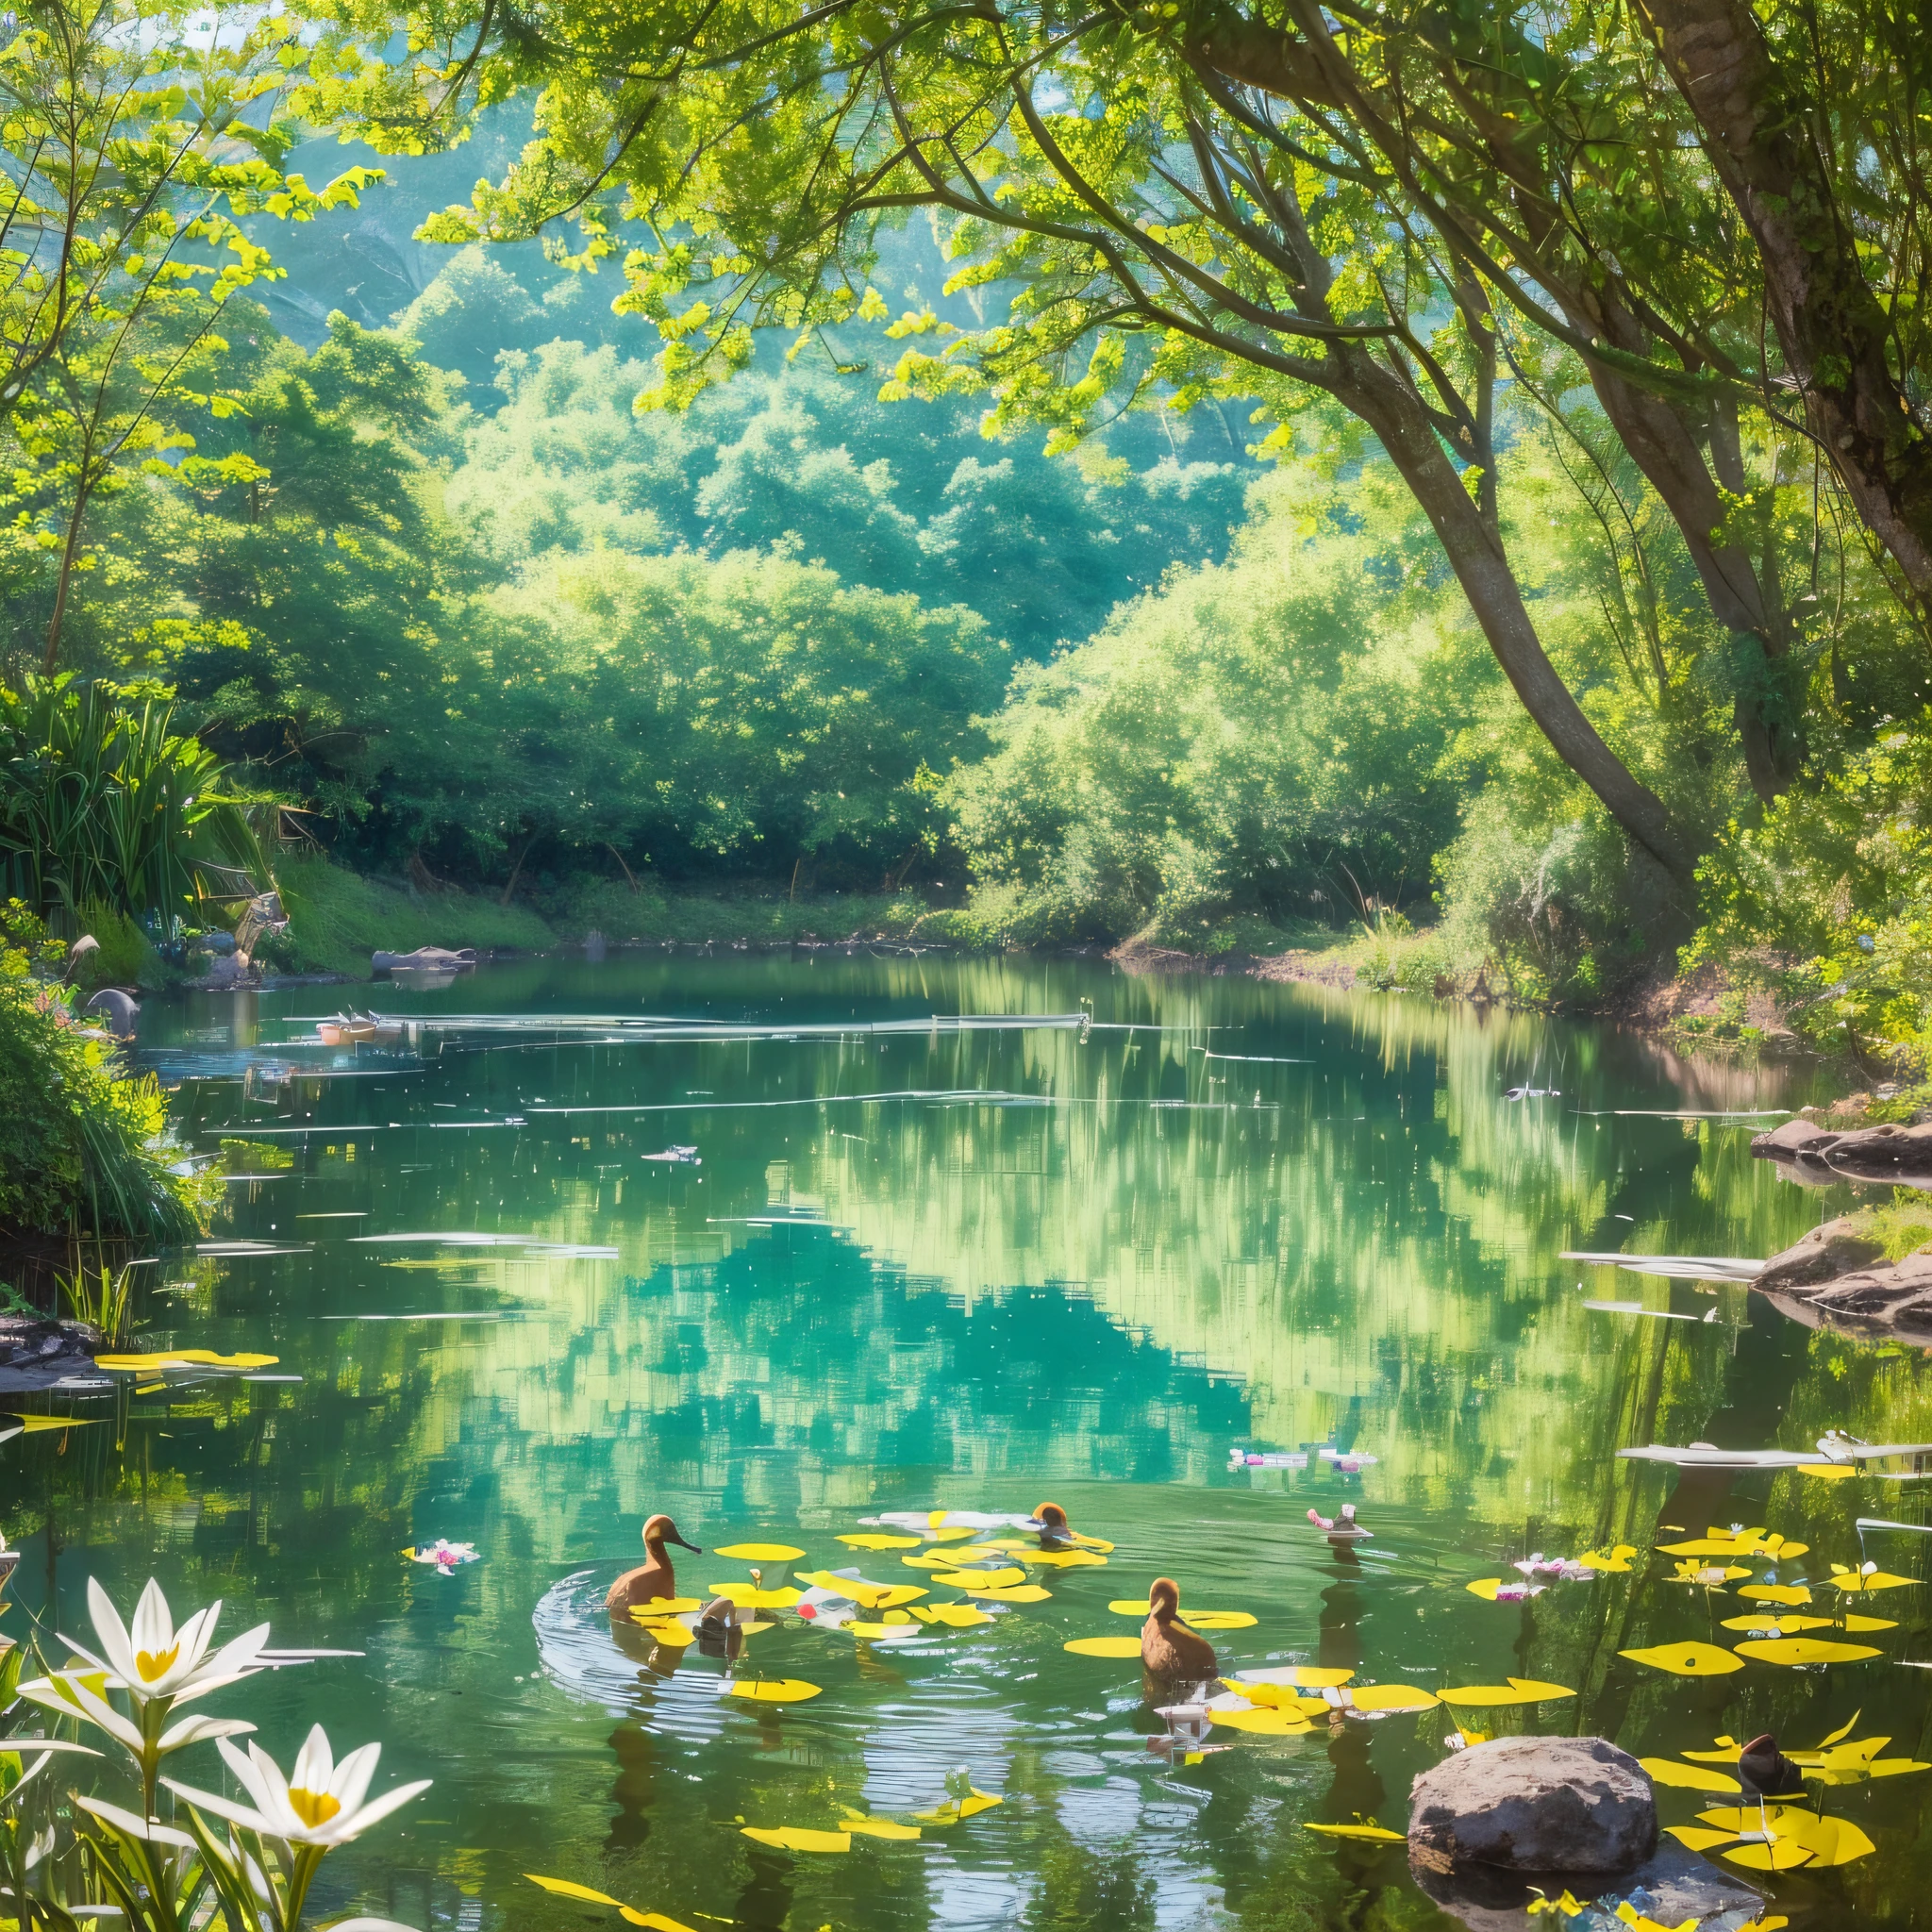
(152, 1667)
(314, 1808)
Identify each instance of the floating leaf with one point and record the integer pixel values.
(984, 1580)
(1699, 1838)
(675, 1635)
(1851, 1623)
(1386, 1697)
(1130, 1607)
(1806, 1650)
(1829, 1472)
(1300, 1677)
(1104, 1646)
(1362, 1829)
(1706, 1575)
(656, 1921)
(959, 1616)
(1794, 1830)
(1612, 1562)
(773, 1690)
(1009, 1594)
(39, 1425)
(1775, 1593)
(660, 1607)
(1517, 1691)
(1098, 1545)
(795, 1837)
(1264, 1723)
(748, 1596)
(1779, 1627)
(863, 1592)
(1666, 1770)
(1509, 1589)
(761, 1553)
(1729, 1752)
(567, 1888)
(183, 1359)
(1856, 1580)
(880, 1828)
(871, 1539)
(1687, 1660)
(1218, 1620)
(1713, 1546)
(898, 1624)
(955, 1810)
(1061, 1559)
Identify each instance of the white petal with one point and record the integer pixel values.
(315, 1763)
(273, 1788)
(151, 1829)
(100, 1713)
(197, 1635)
(343, 1828)
(153, 1627)
(246, 1775)
(350, 1785)
(198, 1729)
(237, 1654)
(110, 1629)
(220, 1808)
(200, 1687)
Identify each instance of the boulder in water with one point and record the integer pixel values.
(1572, 1806)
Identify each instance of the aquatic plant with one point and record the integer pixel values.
(257, 1870)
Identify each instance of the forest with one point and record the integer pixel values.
(1201, 507)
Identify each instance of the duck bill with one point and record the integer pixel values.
(683, 1545)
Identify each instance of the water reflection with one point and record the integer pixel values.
(1077, 1261)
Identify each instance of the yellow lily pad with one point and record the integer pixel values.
(676, 1635)
(568, 1887)
(1806, 1650)
(953, 1810)
(796, 1838)
(956, 1616)
(1281, 1722)
(1727, 1752)
(1705, 1547)
(1218, 1620)
(1851, 1623)
(941, 1559)
(880, 1828)
(1829, 1472)
(1793, 1593)
(1666, 1770)
(1009, 1594)
(748, 1596)
(1390, 1697)
(1297, 1676)
(1060, 1560)
(1854, 1581)
(661, 1607)
(950, 1532)
(1699, 1838)
(873, 1540)
(1368, 1831)
(1706, 1575)
(1786, 1626)
(984, 1580)
(863, 1592)
(1130, 1607)
(183, 1359)
(1614, 1561)
(1687, 1660)
(1104, 1646)
(761, 1553)
(40, 1425)
(1517, 1691)
(656, 1922)
(897, 1624)
(1817, 1840)
(1485, 1587)
(773, 1690)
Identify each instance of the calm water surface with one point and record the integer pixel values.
(970, 1269)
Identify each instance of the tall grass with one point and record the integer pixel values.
(102, 802)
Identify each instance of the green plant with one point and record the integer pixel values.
(104, 1297)
(102, 803)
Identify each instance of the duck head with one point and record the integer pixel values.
(1164, 1597)
(660, 1530)
(1051, 1520)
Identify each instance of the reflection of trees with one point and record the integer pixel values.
(1082, 1890)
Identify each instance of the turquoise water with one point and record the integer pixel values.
(966, 1269)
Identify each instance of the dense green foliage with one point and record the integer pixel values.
(83, 1143)
(104, 806)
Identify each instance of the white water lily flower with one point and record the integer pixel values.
(320, 1803)
(74, 1693)
(153, 1660)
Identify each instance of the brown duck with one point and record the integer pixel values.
(1168, 1648)
(652, 1578)
(1054, 1527)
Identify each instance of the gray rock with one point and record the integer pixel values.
(1824, 1253)
(1900, 1156)
(1837, 1278)
(1576, 1806)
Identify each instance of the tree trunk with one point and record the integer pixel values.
(1476, 555)
(517, 870)
(1830, 326)
(50, 663)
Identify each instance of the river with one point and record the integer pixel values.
(913, 1266)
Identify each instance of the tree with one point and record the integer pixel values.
(1167, 237)
(129, 146)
